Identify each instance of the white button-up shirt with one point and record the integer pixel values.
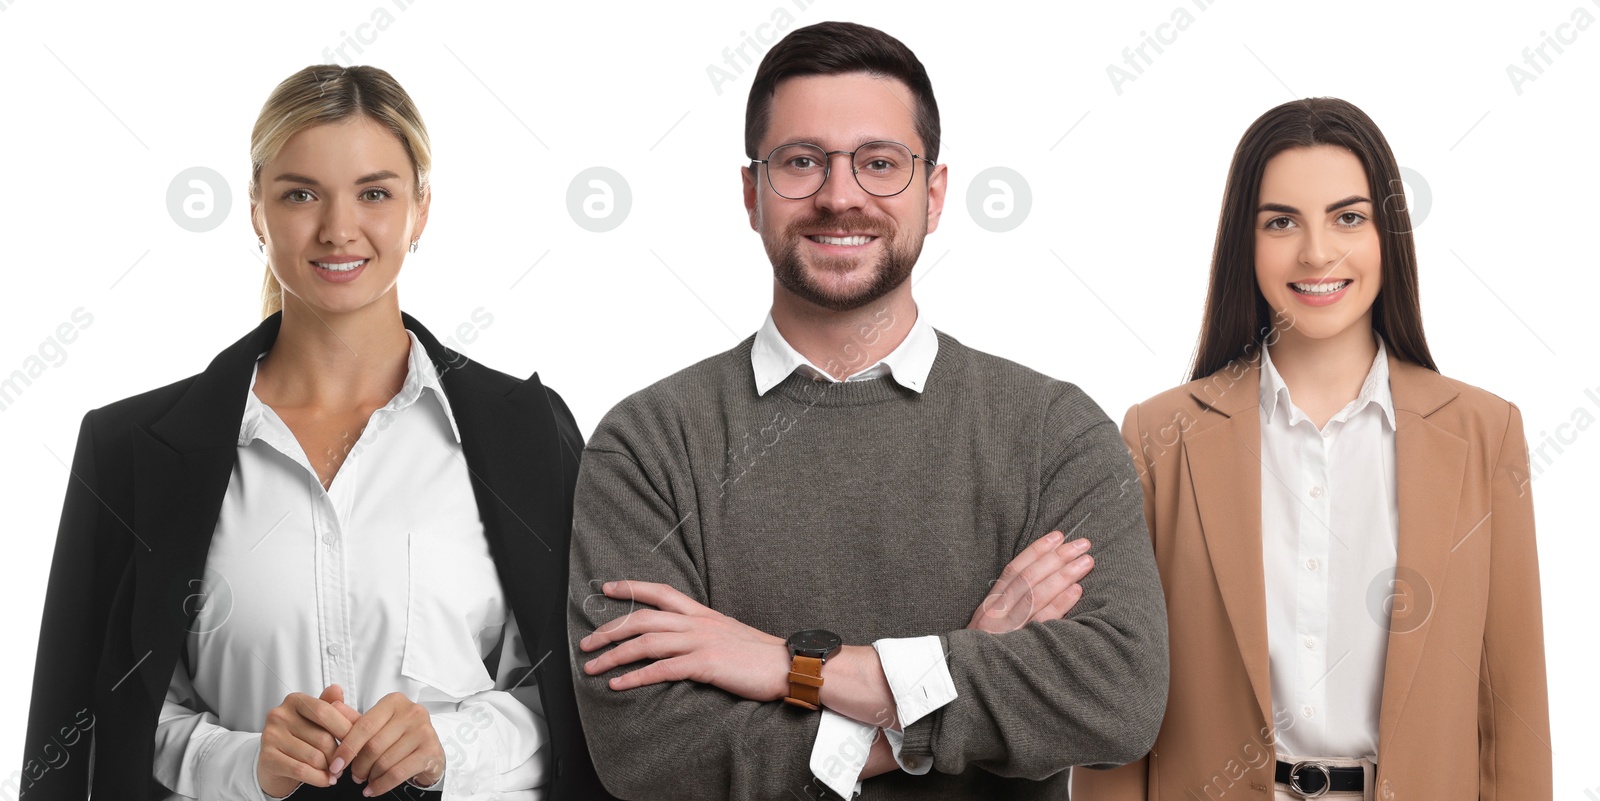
(381, 583)
(919, 677)
(1330, 527)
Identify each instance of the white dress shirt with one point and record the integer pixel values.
(919, 677)
(382, 583)
(1329, 524)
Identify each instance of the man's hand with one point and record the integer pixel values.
(686, 640)
(297, 744)
(1040, 584)
(392, 742)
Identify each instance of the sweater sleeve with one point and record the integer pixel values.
(1089, 689)
(1130, 782)
(676, 740)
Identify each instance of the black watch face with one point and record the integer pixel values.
(819, 643)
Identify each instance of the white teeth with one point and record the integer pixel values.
(841, 240)
(1320, 289)
(342, 267)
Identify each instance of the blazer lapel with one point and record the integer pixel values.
(509, 440)
(1430, 463)
(523, 471)
(1225, 471)
(182, 464)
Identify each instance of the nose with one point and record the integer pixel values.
(1319, 251)
(840, 191)
(339, 224)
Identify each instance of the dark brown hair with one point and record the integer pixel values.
(838, 48)
(1236, 315)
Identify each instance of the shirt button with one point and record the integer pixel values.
(1307, 710)
(1316, 492)
(1311, 643)
(335, 650)
(328, 538)
(1311, 564)
(913, 762)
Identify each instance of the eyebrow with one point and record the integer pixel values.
(860, 140)
(1334, 206)
(296, 178)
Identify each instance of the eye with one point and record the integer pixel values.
(297, 196)
(879, 165)
(1351, 219)
(1279, 224)
(801, 163)
(375, 194)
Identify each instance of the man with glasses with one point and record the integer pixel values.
(785, 558)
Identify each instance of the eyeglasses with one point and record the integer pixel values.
(882, 169)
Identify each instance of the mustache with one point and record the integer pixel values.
(853, 221)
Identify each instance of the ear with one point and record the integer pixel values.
(255, 221)
(751, 188)
(422, 213)
(937, 182)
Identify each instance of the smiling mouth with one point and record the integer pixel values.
(857, 240)
(341, 266)
(1321, 288)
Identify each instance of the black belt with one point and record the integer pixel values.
(1312, 779)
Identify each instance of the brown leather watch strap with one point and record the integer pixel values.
(805, 682)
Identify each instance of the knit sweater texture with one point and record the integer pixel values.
(873, 511)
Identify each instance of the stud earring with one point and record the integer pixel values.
(414, 246)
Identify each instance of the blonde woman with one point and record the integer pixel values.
(333, 563)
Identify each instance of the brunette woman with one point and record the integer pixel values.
(1344, 535)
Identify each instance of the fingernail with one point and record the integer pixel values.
(609, 586)
(367, 792)
(337, 766)
(1056, 536)
(1081, 544)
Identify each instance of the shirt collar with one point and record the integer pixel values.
(420, 375)
(774, 359)
(1375, 389)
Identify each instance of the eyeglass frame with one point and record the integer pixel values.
(827, 166)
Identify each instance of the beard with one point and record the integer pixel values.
(892, 267)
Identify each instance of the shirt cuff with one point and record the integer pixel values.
(840, 752)
(226, 767)
(919, 678)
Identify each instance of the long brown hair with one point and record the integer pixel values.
(1236, 315)
(325, 94)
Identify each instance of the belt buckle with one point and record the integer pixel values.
(1294, 779)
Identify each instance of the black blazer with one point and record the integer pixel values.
(147, 485)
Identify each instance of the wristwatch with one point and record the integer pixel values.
(808, 650)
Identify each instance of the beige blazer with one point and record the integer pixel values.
(1464, 713)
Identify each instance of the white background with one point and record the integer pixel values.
(103, 104)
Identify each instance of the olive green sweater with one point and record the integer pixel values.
(874, 511)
